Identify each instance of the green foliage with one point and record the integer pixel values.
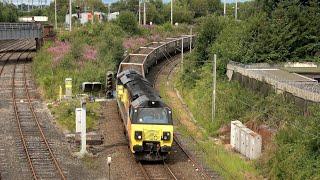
(128, 22)
(297, 152)
(65, 114)
(283, 31)
(184, 10)
(291, 33)
(210, 28)
(8, 13)
(106, 39)
(111, 49)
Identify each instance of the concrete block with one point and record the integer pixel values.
(243, 135)
(233, 133)
(238, 136)
(255, 146)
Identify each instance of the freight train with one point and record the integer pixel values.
(147, 119)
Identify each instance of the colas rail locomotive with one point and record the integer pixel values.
(147, 119)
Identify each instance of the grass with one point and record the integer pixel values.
(228, 164)
(65, 114)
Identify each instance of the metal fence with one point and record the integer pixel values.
(20, 31)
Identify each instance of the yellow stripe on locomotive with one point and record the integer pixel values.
(144, 133)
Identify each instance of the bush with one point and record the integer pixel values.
(128, 22)
(209, 31)
(8, 13)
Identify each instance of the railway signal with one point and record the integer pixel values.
(109, 84)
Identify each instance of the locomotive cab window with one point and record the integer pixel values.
(153, 116)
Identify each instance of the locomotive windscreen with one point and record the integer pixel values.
(152, 116)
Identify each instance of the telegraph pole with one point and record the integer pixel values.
(236, 10)
(214, 80)
(171, 12)
(190, 39)
(144, 13)
(70, 15)
(55, 15)
(224, 8)
(139, 12)
(182, 54)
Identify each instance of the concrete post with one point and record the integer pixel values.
(144, 13)
(78, 119)
(139, 12)
(83, 128)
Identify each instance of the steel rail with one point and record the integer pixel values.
(23, 139)
(144, 172)
(8, 58)
(35, 117)
(169, 170)
(170, 62)
(15, 45)
(15, 107)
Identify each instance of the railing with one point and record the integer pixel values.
(20, 26)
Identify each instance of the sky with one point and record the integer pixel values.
(228, 1)
(36, 2)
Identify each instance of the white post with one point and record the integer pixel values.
(171, 12)
(70, 15)
(78, 120)
(144, 13)
(236, 10)
(139, 12)
(55, 15)
(182, 54)
(224, 8)
(214, 79)
(83, 128)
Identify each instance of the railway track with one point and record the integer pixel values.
(166, 70)
(42, 162)
(157, 170)
(34, 148)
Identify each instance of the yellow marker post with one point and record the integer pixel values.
(60, 93)
(68, 84)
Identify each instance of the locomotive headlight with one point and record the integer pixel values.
(138, 135)
(166, 136)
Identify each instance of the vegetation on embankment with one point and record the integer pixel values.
(223, 161)
(274, 32)
(64, 112)
(87, 53)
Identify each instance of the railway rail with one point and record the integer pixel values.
(35, 147)
(157, 171)
(166, 70)
(43, 164)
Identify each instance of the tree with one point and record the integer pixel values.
(128, 22)
(8, 13)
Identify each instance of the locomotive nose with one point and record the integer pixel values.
(152, 135)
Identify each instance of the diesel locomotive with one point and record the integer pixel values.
(147, 119)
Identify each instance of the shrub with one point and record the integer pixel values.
(128, 22)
